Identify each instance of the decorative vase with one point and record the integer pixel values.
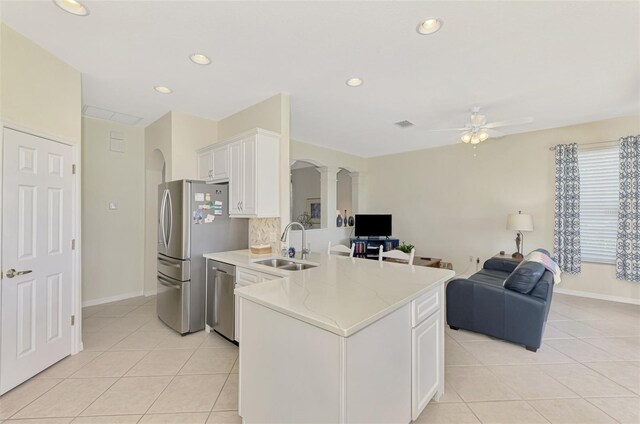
(352, 221)
(339, 221)
(345, 217)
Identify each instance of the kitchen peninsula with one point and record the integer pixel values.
(345, 340)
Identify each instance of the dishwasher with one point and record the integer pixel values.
(220, 301)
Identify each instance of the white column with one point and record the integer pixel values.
(328, 195)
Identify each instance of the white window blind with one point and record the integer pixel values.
(599, 187)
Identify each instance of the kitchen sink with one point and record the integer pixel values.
(296, 266)
(284, 264)
(274, 262)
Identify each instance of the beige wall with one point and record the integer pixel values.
(266, 115)
(188, 134)
(112, 261)
(452, 202)
(157, 142)
(39, 91)
(158, 136)
(327, 157)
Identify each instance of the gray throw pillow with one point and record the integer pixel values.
(525, 277)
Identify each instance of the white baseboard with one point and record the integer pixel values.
(591, 295)
(150, 293)
(110, 299)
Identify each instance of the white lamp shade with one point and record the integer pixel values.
(520, 222)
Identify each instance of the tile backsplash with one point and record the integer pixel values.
(264, 230)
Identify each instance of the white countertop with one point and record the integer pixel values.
(342, 295)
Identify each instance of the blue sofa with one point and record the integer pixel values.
(503, 302)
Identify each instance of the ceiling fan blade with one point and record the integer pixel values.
(495, 134)
(451, 129)
(499, 124)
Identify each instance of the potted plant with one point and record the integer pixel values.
(406, 248)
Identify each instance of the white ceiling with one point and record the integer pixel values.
(560, 62)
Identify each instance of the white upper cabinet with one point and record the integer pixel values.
(205, 165)
(221, 163)
(235, 178)
(213, 163)
(254, 184)
(250, 162)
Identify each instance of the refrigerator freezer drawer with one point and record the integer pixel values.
(174, 268)
(173, 303)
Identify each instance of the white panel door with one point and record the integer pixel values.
(36, 256)
(250, 192)
(205, 165)
(426, 361)
(221, 163)
(236, 182)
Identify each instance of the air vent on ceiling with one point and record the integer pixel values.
(404, 124)
(109, 115)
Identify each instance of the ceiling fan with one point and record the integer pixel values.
(478, 130)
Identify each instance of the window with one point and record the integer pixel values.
(599, 187)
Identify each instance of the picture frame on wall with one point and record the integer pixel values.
(314, 208)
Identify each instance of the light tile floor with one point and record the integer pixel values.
(136, 370)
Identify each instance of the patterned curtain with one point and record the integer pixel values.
(628, 246)
(566, 237)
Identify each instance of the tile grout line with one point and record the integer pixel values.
(170, 381)
(117, 379)
(99, 396)
(37, 397)
(602, 410)
(63, 379)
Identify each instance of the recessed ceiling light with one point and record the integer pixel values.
(72, 6)
(354, 82)
(162, 89)
(200, 59)
(429, 26)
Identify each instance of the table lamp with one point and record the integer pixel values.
(519, 222)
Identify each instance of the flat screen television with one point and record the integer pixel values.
(373, 225)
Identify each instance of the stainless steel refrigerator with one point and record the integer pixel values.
(193, 219)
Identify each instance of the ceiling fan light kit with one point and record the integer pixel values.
(478, 130)
(474, 136)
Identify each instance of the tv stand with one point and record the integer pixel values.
(370, 247)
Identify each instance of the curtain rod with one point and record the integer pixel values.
(590, 144)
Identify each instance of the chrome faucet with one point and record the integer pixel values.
(285, 235)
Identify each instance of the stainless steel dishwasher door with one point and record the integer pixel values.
(221, 281)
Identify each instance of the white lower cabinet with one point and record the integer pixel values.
(246, 277)
(425, 359)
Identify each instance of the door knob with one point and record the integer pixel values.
(12, 273)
